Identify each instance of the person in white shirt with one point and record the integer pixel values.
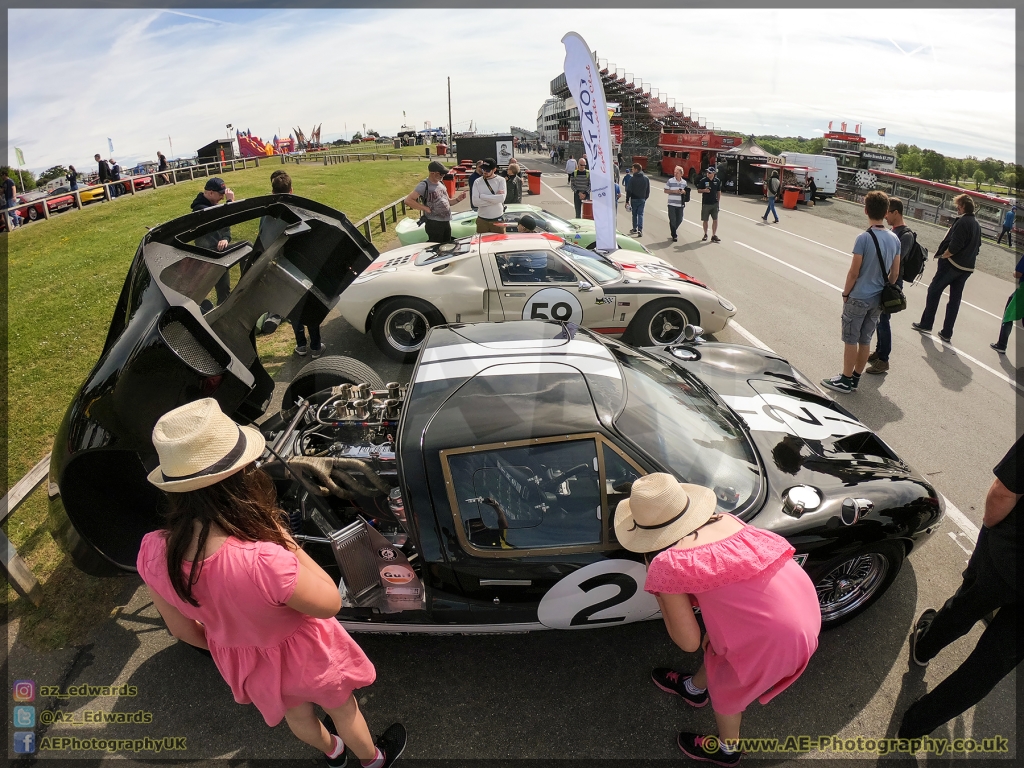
(570, 167)
(675, 188)
(489, 193)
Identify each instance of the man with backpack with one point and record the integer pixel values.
(431, 197)
(771, 191)
(912, 261)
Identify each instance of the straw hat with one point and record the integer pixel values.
(660, 511)
(199, 445)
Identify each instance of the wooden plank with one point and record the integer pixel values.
(25, 486)
(18, 572)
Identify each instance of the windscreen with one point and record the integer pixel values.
(669, 416)
(599, 268)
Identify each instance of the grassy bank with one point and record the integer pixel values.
(64, 279)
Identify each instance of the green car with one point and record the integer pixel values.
(579, 231)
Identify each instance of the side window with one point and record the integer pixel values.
(529, 497)
(533, 267)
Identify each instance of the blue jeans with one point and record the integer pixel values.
(946, 276)
(770, 209)
(884, 331)
(638, 213)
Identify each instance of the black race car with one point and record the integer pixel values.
(479, 497)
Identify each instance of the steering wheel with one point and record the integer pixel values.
(563, 476)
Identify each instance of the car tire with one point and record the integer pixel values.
(32, 214)
(400, 325)
(324, 372)
(669, 314)
(868, 573)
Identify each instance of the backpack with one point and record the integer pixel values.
(913, 266)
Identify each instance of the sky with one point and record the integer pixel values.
(172, 80)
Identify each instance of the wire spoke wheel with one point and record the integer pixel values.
(405, 329)
(851, 584)
(666, 327)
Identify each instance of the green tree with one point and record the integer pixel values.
(357, 136)
(901, 149)
(933, 165)
(1010, 179)
(56, 172)
(979, 178)
(909, 163)
(970, 166)
(954, 169)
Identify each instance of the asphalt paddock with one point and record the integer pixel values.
(584, 698)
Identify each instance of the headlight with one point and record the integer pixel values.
(726, 305)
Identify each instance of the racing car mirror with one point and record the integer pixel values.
(600, 594)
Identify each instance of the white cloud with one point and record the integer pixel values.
(942, 79)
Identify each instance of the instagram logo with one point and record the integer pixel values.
(24, 690)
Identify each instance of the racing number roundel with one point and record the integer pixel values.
(600, 594)
(554, 304)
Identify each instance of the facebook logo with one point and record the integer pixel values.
(24, 717)
(24, 742)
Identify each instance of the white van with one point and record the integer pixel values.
(825, 172)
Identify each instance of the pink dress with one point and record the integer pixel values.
(759, 607)
(271, 655)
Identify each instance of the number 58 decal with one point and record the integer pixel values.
(599, 594)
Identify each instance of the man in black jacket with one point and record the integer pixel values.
(957, 254)
(638, 189)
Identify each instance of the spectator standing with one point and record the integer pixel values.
(879, 359)
(162, 166)
(710, 187)
(103, 168)
(989, 584)
(675, 188)
(957, 255)
(489, 191)
(1006, 327)
(638, 189)
(514, 183)
(759, 607)
(476, 174)
(10, 192)
(72, 178)
(863, 291)
(554, 156)
(812, 190)
(570, 167)
(431, 197)
(213, 193)
(1007, 228)
(228, 577)
(561, 154)
(579, 182)
(771, 191)
(115, 175)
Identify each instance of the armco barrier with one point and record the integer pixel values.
(17, 570)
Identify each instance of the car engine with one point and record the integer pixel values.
(335, 469)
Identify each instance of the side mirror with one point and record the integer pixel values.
(692, 333)
(585, 286)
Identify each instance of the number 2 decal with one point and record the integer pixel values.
(607, 592)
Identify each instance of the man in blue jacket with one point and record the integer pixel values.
(1007, 230)
(638, 189)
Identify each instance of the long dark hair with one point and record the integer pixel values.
(243, 505)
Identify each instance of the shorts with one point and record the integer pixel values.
(490, 225)
(859, 320)
(709, 210)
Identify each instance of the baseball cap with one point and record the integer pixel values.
(216, 184)
(489, 164)
(712, 169)
(436, 167)
(527, 222)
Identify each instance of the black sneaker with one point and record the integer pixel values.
(920, 328)
(392, 743)
(716, 239)
(945, 338)
(639, 233)
(632, 231)
(673, 682)
(919, 629)
(1000, 349)
(706, 748)
(705, 237)
(319, 351)
(341, 760)
(838, 384)
(854, 381)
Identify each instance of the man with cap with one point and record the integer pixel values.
(489, 193)
(527, 224)
(431, 197)
(710, 186)
(218, 240)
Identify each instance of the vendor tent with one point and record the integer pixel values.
(736, 168)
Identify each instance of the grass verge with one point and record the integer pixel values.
(64, 279)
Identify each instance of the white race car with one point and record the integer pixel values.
(531, 277)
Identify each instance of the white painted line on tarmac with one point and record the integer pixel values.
(848, 253)
(952, 512)
(567, 202)
(958, 352)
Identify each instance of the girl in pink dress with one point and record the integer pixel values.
(759, 607)
(226, 576)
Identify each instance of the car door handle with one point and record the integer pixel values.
(513, 295)
(505, 582)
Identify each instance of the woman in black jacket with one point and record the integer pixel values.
(513, 185)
